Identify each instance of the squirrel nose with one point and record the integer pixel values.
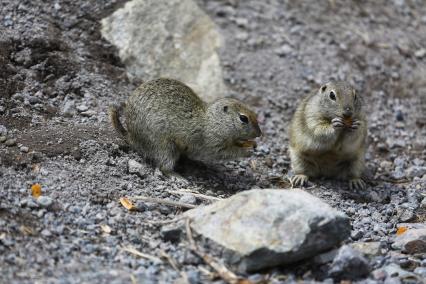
(347, 112)
(258, 131)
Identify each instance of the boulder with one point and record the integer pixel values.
(168, 38)
(265, 228)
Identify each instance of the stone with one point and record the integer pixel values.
(420, 53)
(284, 50)
(10, 142)
(349, 264)
(68, 107)
(394, 270)
(421, 271)
(24, 149)
(3, 139)
(3, 130)
(88, 113)
(405, 214)
(168, 38)
(135, 167)
(367, 248)
(82, 108)
(265, 228)
(188, 198)
(423, 203)
(412, 241)
(172, 233)
(415, 171)
(45, 201)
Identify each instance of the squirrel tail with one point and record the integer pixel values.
(114, 115)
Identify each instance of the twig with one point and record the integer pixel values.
(170, 259)
(163, 201)
(174, 264)
(165, 222)
(199, 195)
(227, 275)
(209, 274)
(141, 254)
(394, 181)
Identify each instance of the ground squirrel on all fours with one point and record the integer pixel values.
(165, 120)
(328, 136)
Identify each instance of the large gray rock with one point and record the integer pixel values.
(168, 38)
(265, 228)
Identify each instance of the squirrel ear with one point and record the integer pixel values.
(323, 88)
(225, 108)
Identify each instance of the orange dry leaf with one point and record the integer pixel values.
(127, 203)
(401, 230)
(36, 190)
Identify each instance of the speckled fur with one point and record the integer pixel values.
(317, 148)
(165, 119)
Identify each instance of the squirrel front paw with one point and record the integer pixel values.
(337, 123)
(355, 125)
(299, 180)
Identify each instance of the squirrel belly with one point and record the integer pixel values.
(327, 136)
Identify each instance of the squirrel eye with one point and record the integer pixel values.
(332, 96)
(244, 119)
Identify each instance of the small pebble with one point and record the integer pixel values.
(24, 149)
(46, 233)
(420, 53)
(2, 139)
(423, 203)
(399, 115)
(188, 198)
(45, 201)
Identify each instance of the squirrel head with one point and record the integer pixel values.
(230, 120)
(338, 99)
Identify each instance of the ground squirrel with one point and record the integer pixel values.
(327, 136)
(165, 119)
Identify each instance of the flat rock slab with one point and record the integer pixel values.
(412, 241)
(168, 38)
(266, 228)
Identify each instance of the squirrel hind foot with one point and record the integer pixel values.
(357, 184)
(299, 180)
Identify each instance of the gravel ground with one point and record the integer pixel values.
(58, 75)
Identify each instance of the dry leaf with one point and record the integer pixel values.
(26, 230)
(36, 190)
(106, 229)
(401, 230)
(127, 203)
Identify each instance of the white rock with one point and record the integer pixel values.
(168, 38)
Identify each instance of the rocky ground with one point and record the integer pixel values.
(58, 76)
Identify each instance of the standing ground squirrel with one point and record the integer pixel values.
(327, 136)
(165, 119)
